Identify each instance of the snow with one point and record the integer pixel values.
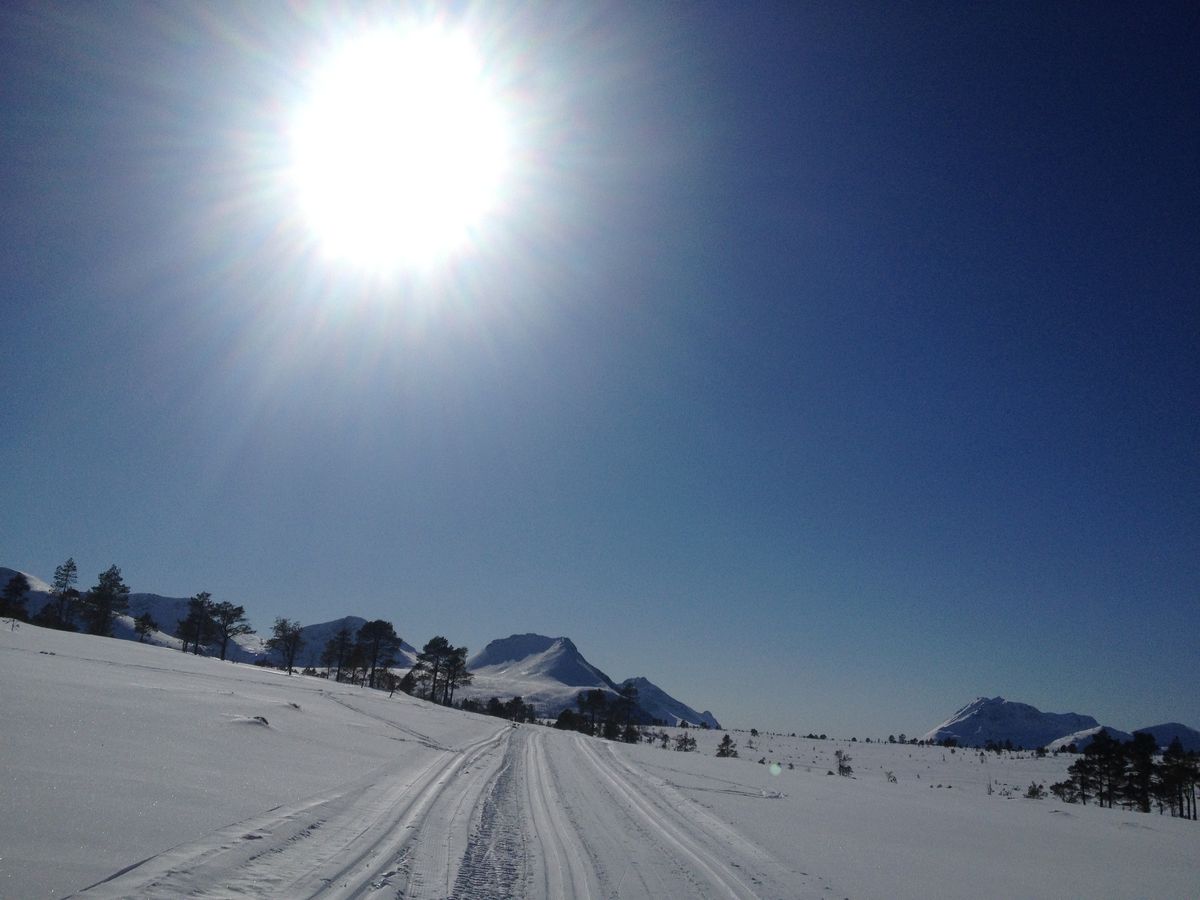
(141, 771)
(35, 583)
(551, 672)
(1082, 738)
(662, 706)
(996, 719)
(534, 656)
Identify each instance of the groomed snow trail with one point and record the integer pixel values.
(523, 813)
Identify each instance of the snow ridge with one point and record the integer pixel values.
(996, 719)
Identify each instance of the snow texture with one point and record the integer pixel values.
(132, 770)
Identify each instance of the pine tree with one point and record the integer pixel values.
(456, 673)
(431, 665)
(684, 742)
(380, 644)
(105, 601)
(229, 621)
(143, 625)
(197, 628)
(12, 601)
(1139, 770)
(62, 611)
(337, 652)
(727, 747)
(287, 640)
(625, 703)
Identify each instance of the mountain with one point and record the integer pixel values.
(317, 636)
(551, 672)
(1000, 720)
(1082, 738)
(660, 705)
(35, 583)
(547, 672)
(1164, 734)
(524, 656)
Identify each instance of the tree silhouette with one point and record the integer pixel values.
(380, 644)
(228, 621)
(143, 625)
(12, 601)
(105, 601)
(286, 640)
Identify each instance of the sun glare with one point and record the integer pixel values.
(400, 150)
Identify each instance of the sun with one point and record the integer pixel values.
(400, 149)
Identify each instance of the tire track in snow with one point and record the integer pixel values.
(566, 872)
(670, 830)
(347, 842)
(494, 866)
(768, 876)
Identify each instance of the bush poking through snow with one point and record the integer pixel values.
(843, 763)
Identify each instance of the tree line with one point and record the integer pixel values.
(1132, 775)
(69, 609)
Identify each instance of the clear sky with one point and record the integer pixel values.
(830, 364)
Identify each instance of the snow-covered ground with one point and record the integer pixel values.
(141, 771)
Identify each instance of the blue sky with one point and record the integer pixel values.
(828, 364)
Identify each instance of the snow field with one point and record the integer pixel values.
(141, 771)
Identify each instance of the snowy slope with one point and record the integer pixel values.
(168, 611)
(1082, 738)
(142, 772)
(35, 583)
(661, 706)
(551, 672)
(524, 656)
(996, 719)
(1163, 735)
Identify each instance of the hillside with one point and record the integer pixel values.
(661, 706)
(996, 719)
(234, 781)
(551, 672)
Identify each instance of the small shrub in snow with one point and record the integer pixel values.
(685, 743)
(843, 763)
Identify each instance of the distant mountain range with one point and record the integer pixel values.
(547, 672)
(998, 720)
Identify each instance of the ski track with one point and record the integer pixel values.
(389, 830)
(524, 812)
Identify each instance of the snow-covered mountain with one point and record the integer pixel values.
(229, 781)
(551, 672)
(1167, 732)
(1000, 720)
(996, 719)
(524, 656)
(660, 705)
(547, 672)
(1163, 735)
(35, 583)
(1082, 738)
